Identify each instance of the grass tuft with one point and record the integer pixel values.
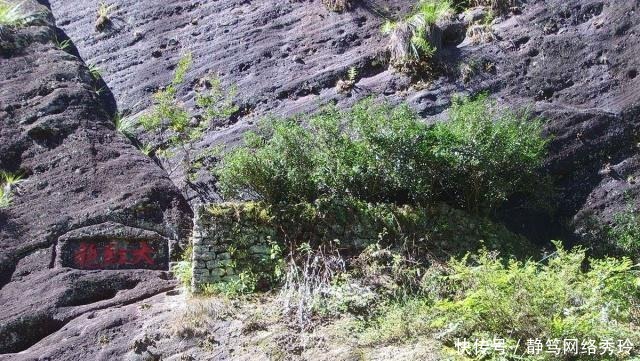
(10, 14)
(8, 183)
(410, 41)
(125, 125)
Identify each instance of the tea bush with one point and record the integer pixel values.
(381, 153)
(488, 154)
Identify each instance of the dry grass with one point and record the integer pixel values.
(306, 283)
(498, 6)
(480, 33)
(198, 316)
(339, 5)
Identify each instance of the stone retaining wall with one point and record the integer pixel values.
(230, 238)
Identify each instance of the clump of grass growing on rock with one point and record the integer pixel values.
(103, 16)
(125, 125)
(95, 71)
(10, 14)
(8, 183)
(62, 45)
(410, 40)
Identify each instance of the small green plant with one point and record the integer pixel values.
(103, 15)
(409, 46)
(62, 45)
(244, 283)
(171, 118)
(217, 101)
(183, 270)
(8, 183)
(147, 149)
(125, 125)
(10, 14)
(95, 72)
(345, 85)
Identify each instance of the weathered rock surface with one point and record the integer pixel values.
(79, 172)
(573, 61)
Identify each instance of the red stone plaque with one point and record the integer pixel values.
(115, 254)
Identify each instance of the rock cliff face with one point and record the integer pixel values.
(571, 61)
(78, 174)
(574, 62)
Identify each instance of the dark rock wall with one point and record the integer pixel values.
(78, 172)
(573, 61)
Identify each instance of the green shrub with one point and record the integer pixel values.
(183, 269)
(371, 152)
(245, 283)
(625, 232)
(276, 167)
(488, 154)
(487, 299)
(380, 153)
